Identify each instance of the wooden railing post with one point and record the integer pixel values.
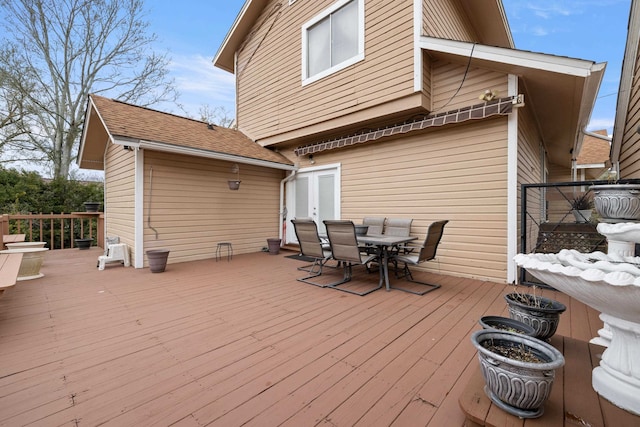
(4, 225)
(100, 236)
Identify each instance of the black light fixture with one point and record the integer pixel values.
(311, 159)
(234, 184)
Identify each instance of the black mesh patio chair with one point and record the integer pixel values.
(311, 246)
(427, 252)
(345, 250)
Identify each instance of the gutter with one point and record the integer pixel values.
(167, 148)
(596, 135)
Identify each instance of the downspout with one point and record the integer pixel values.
(283, 208)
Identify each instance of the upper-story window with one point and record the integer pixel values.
(333, 40)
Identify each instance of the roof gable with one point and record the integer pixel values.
(487, 17)
(138, 126)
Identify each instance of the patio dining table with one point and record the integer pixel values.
(383, 243)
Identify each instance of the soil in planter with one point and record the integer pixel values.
(519, 352)
(509, 329)
(531, 301)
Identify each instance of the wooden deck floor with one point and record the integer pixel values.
(238, 343)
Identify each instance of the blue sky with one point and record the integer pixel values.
(594, 30)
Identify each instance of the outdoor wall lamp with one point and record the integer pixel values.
(234, 184)
(313, 162)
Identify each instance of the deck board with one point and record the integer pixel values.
(243, 343)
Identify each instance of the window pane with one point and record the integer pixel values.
(344, 33)
(318, 50)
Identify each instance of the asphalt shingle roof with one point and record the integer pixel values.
(131, 121)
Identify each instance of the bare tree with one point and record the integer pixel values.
(216, 115)
(60, 51)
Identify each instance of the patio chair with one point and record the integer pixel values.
(427, 253)
(399, 227)
(376, 224)
(345, 250)
(311, 246)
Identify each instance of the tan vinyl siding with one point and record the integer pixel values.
(445, 19)
(630, 148)
(447, 79)
(457, 173)
(119, 195)
(529, 172)
(273, 54)
(192, 208)
(426, 79)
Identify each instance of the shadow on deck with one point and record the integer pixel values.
(240, 343)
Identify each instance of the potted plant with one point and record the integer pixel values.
(617, 202)
(499, 323)
(83, 244)
(582, 207)
(543, 314)
(518, 370)
(91, 206)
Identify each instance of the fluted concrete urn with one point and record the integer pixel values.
(617, 202)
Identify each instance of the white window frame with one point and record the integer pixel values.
(306, 79)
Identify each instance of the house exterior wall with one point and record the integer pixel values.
(630, 147)
(452, 89)
(188, 201)
(445, 19)
(529, 172)
(273, 54)
(456, 173)
(119, 176)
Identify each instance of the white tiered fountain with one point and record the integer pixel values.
(610, 283)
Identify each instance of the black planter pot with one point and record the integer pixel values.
(83, 244)
(543, 316)
(499, 323)
(518, 387)
(91, 206)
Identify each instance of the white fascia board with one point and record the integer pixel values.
(520, 58)
(168, 148)
(417, 51)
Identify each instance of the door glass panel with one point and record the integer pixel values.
(326, 200)
(302, 198)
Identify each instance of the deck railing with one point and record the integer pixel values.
(548, 223)
(60, 231)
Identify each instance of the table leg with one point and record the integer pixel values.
(385, 266)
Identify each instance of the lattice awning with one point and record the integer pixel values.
(501, 106)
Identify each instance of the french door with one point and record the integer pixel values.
(315, 194)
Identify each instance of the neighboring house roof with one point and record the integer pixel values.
(595, 151)
(561, 90)
(126, 124)
(486, 14)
